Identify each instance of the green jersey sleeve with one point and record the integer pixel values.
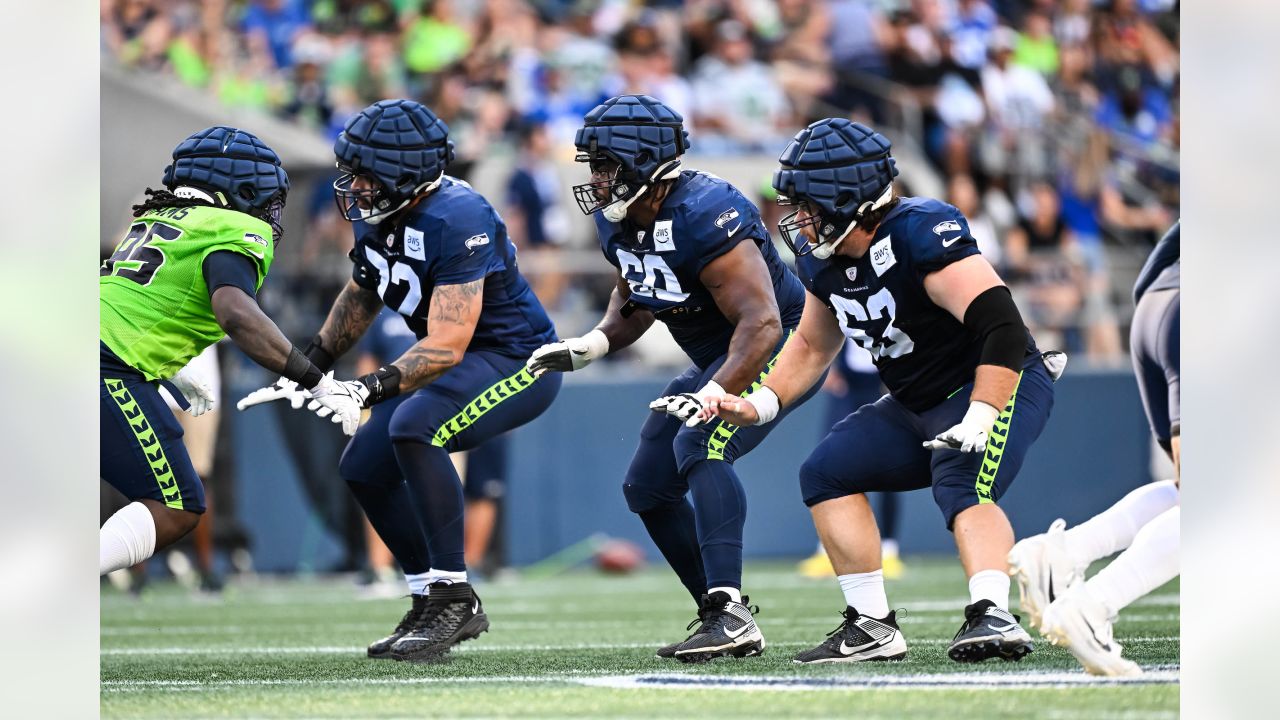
(153, 300)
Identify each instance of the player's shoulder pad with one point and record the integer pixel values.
(711, 206)
(459, 216)
(231, 229)
(932, 232)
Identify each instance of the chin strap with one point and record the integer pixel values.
(425, 187)
(827, 249)
(617, 211)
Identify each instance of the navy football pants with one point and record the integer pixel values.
(141, 452)
(879, 449)
(482, 397)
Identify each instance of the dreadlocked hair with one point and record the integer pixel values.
(157, 199)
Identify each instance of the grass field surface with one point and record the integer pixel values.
(581, 645)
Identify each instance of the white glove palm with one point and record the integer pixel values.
(970, 434)
(341, 400)
(688, 406)
(196, 389)
(568, 355)
(282, 389)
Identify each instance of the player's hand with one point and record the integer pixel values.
(731, 409)
(689, 407)
(341, 400)
(568, 355)
(970, 434)
(282, 389)
(196, 389)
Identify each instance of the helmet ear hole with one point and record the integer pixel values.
(642, 158)
(247, 192)
(844, 199)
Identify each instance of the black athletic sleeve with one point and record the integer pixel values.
(225, 267)
(994, 317)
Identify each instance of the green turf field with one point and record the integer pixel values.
(581, 645)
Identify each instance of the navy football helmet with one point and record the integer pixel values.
(399, 148)
(230, 168)
(631, 142)
(836, 171)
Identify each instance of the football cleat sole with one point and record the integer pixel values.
(1032, 563)
(981, 649)
(751, 648)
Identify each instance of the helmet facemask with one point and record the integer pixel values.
(613, 188)
(819, 235)
(374, 203)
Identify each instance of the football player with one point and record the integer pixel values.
(184, 276)
(1050, 567)
(968, 390)
(431, 248)
(691, 251)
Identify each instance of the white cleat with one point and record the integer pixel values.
(1044, 570)
(1080, 623)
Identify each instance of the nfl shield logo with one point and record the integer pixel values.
(852, 274)
(391, 239)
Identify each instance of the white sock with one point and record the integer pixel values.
(1113, 529)
(1151, 561)
(864, 592)
(445, 576)
(888, 548)
(990, 585)
(734, 593)
(418, 583)
(126, 539)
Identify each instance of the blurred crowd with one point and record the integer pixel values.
(1052, 124)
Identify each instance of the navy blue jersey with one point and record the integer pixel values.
(1163, 269)
(702, 218)
(453, 236)
(923, 353)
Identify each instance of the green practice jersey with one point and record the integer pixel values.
(153, 300)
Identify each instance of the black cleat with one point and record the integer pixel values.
(453, 614)
(667, 652)
(382, 648)
(989, 632)
(859, 639)
(728, 629)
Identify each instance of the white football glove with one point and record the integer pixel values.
(970, 434)
(341, 399)
(196, 389)
(687, 406)
(568, 355)
(282, 389)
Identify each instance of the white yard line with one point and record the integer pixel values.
(354, 650)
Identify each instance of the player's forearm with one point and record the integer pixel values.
(352, 314)
(993, 385)
(623, 331)
(423, 363)
(754, 338)
(250, 328)
(798, 367)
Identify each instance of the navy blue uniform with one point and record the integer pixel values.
(452, 236)
(1155, 335)
(927, 359)
(701, 219)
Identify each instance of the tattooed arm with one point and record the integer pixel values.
(451, 322)
(350, 317)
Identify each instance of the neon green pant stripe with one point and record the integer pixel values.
(147, 440)
(488, 400)
(996, 440)
(723, 431)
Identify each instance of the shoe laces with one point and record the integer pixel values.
(413, 615)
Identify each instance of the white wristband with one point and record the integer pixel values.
(766, 403)
(981, 415)
(597, 344)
